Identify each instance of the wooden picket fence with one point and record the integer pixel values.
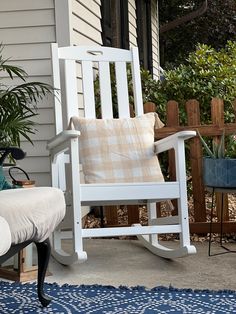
(213, 130)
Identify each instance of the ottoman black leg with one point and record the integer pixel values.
(44, 250)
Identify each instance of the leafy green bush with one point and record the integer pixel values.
(208, 73)
(215, 27)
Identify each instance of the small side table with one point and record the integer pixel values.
(214, 190)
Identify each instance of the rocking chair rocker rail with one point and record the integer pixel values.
(64, 148)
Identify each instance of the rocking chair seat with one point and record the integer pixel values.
(32, 213)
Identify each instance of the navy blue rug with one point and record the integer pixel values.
(22, 298)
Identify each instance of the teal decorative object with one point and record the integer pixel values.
(219, 172)
(17, 154)
(4, 185)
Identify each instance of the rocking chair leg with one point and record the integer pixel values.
(44, 250)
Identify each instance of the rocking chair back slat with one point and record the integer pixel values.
(105, 90)
(122, 89)
(137, 87)
(88, 89)
(57, 86)
(71, 89)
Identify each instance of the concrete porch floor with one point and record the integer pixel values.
(126, 262)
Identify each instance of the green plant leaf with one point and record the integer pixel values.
(18, 104)
(221, 146)
(208, 150)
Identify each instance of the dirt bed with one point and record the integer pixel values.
(93, 220)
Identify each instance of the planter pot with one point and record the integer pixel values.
(4, 185)
(219, 172)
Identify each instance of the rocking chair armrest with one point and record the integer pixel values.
(62, 137)
(172, 140)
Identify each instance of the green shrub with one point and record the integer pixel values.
(208, 73)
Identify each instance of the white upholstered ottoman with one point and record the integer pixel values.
(5, 236)
(30, 215)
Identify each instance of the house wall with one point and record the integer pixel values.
(86, 30)
(27, 27)
(155, 38)
(154, 26)
(86, 26)
(132, 23)
(83, 28)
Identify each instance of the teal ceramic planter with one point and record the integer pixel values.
(4, 185)
(219, 173)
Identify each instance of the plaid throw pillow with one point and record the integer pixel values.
(118, 150)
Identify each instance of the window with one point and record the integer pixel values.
(115, 32)
(144, 33)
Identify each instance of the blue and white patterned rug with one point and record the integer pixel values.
(22, 298)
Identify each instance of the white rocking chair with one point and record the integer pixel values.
(64, 150)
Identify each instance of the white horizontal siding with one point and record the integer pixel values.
(46, 102)
(132, 23)
(44, 133)
(88, 11)
(16, 81)
(27, 51)
(82, 27)
(86, 30)
(84, 40)
(132, 40)
(154, 29)
(41, 179)
(97, 2)
(38, 169)
(36, 164)
(132, 30)
(45, 116)
(23, 35)
(27, 18)
(93, 6)
(44, 79)
(86, 22)
(27, 27)
(132, 8)
(155, 39)
(33, 67)
(35, 150)
(80, 100)
(19, 5)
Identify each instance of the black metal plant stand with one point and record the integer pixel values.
(221, 190)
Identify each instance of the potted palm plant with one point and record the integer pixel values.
(219, 166)
(18, 104)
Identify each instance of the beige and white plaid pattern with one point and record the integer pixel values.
(118, 150)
